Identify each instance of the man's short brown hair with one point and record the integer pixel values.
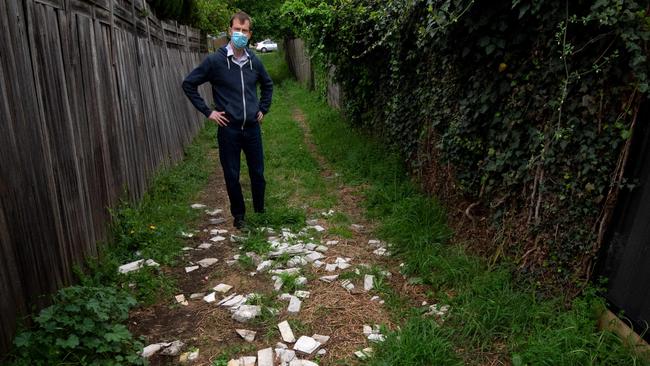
(242, 17)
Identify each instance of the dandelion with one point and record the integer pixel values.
(152, 227)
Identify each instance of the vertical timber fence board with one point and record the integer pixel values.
(90, 107)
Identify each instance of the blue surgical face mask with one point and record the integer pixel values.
(239, 39)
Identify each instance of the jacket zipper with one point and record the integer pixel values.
(243, 94)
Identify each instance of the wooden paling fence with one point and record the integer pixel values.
(90, 106)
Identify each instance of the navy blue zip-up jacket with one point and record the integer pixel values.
(234, 88)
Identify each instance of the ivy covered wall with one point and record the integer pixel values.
(525, 108)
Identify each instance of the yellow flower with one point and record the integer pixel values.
(132, 231)
(152, 227)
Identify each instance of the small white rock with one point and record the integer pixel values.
(368, 282)
(331, 278)
(265, 357)
(217, 238)
(265, 265)
(210, 297)
(322, 339)
(347, 285)
(205, 246)
(198, 206)
(318, 228)
(181, 299)
(332, 242)
(214, 212)
(375, 337)
(294, 305)
(197, 295)
(331, 267)
(246, 312)
(130, 267)
(302, 294)
(207, 262)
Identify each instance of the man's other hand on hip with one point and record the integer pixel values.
(219, 118)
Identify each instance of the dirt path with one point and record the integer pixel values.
(330, 309)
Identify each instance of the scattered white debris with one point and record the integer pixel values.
(173, 348)
(376, 337)
(374, 243)
(331, 267)
(187, 235)
(265, 357)
(246, 312)
(207, 262)
(286, 333)
(356, 227)
(151, 349)
(298, 362)
(232, 301)
(281, 345)
(438, 311)
(198, 206)
(375, 298)
(364, 354)
(181, 299)
(263, 266)
(312, 222)
(322, 248)
(185, 249)
(222, 288)
(301, 281)
(347, 285)
(381, 252)
(344, 265)
(367, 330)
(214, 212)
(332, 242)
(302, 294)
(130, 267)
(328, 213)
(294, 305)
(205, 246)
(277, 285)
(284, 355)
(217, 238)
(317, 264)
(322, 339)
(318, 228)
(191, 268)
(286, 271)
(306, 345)
(314, 256)
(368, 282)
(296, 261)
(217, 221)
(331, 278)
(211, 297)
(247, 335)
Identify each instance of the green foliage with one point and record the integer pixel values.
(212, 16)
(529, 103)
(82, 327)
(264, 14)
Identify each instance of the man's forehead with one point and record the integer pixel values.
(239, 24)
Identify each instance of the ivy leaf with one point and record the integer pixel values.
(71, 342)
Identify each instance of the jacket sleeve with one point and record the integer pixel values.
(191, 83)
(266, 88)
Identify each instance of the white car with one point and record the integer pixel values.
(266, 46)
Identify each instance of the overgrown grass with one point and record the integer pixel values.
(84, 326)
(491, 317)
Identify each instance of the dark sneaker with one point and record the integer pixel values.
(239, 223)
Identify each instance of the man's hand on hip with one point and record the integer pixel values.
(219, 118)
(260, 117)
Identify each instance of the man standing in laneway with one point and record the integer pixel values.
(234, 72)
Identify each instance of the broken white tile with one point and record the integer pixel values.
(263, 266)
(381, 252)
(317, 264)
(205, 246)
(217, 238)
(318, 228)
(198, 206)
(367, 330)
(233, 301)
(222, 288)
(297, 261)
(314, 256)
(331, 267)
(191, 268)
(322, 351)
(364, 354)
(151, 263)
(375, 298)
(284, 355)
(438, 311)
(328, 213)
(306, 345)
(344, 265)
(281, 345)
(312, 222)
(246, 312)
(322, 339)
(347, 285)
(231, 262)
(277, 285)
(294, 305)
(217, 221)
(288, 271)
(247, 335)
(376, 337)
(298, 362)
(331, 278)
(210, 297)
(214, 212)
(321, 248)
(193, 355)
(207, 262)
(374, 242)
(185, 249)
(285, 297)
(181, 299)
(265, 357)
(286, 333)
(301, 294)
(130, 267)
(368, 282)
(356, 227)
(301, 281)
(331, 242)
(197, 295)
(187, 235)
(247, 361)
